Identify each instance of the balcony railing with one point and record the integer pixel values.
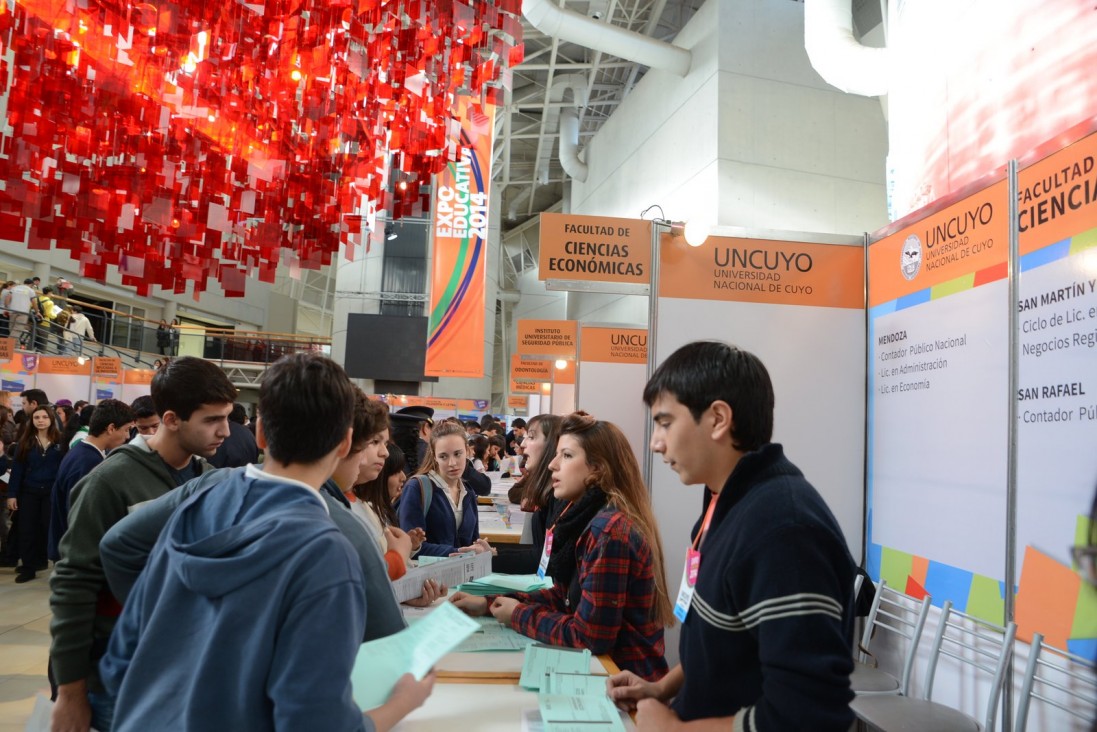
(135, 339)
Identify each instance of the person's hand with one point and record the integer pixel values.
(471, 604)
(71, 712)
(655, 716)
(407, 696)
(432, 590)
(626, 689)
(13, 504)
(503, 608)
(478, 547)
(410, 693)
(399, 542)
(418, 536)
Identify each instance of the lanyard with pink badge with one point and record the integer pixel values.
(542, 566)
(693, 564)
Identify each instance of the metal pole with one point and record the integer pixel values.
(1014, 382)
(866, 440)
(657, 228)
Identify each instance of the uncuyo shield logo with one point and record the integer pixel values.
(910, 261)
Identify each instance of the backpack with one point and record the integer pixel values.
(425, 494)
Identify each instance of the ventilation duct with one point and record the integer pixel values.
(592, 33)
(517, 202)
(577, 83)
(569, 146)
(837, 55)
(567, 25)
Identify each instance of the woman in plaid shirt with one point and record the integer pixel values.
(604, 555)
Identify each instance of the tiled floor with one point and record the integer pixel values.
(24, 646)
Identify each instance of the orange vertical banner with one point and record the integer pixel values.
(455, 331)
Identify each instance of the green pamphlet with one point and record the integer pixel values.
(562, 713)
(414, 650)
(541, 660)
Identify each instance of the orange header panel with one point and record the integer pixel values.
(63, 365)
(107, 366)
(595, 249)
(969, 236)
(450, 405)
(1057, 196)
(137, 376)
(547, 338)
(529, 370)
(614, 345)
(526, 387)
(761, 270)
(565, 375)
(518, 402)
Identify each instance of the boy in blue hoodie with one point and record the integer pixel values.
(252, 606)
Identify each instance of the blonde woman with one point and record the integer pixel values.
(439, 501)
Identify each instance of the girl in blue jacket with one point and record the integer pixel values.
(37, 458)
(438, 501)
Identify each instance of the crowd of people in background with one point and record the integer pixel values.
(300, 520)
(41, 318)
(47, 320)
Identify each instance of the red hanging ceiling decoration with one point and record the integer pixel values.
(179, 141)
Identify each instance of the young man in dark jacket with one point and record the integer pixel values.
(768, 620)
(109, 428)
(194, 398)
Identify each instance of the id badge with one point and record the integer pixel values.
(542, 566)
(689, 579)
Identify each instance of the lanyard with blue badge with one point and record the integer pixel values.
(693, 564)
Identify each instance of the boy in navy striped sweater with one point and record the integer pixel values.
(768, 620)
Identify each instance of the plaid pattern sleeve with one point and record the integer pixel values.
(613, 615)
(554, 597)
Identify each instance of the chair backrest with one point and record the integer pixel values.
(901, 614)
(1072, 676)
(977, 643)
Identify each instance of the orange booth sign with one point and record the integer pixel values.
(969, 238)
(594, 249)
(613, 345)
(526, 387)
(764, 271)
(556, 338)
(529, 370)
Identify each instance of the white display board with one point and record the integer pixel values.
(612, 374)
(938, 407)
(807, 326)
(1057, 395)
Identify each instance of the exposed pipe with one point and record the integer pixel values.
(567, 25)
(569, 145)
(516, 203)
(550, 118)
(837, 55)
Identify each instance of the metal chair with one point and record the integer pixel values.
(1073, 676)
(985, 646)
(898, 613)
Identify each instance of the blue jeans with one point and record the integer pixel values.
(102, 710)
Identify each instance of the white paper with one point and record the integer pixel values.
(450, 573)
